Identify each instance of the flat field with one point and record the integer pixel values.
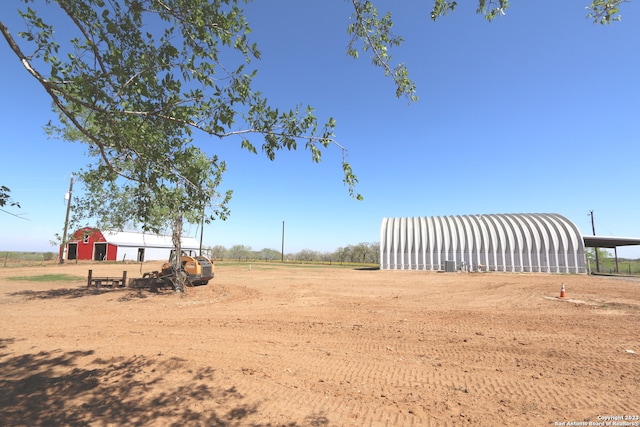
(289, 345)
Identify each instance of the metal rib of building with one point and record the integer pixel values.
(544, 242)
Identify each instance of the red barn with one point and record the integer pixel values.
(92, 244)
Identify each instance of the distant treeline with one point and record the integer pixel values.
(363, 253)
(28, 256)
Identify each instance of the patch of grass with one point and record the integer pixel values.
(47, 278)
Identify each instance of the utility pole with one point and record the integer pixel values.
(282, 259)
(202, 231)
(66, 222)
(593, 228)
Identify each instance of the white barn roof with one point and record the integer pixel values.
(144, 240)
(542, 242)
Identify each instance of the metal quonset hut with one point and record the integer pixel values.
(544, 242)
(92, 244)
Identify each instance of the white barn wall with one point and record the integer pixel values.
(150, 254)
(156, 247)
(547, 243)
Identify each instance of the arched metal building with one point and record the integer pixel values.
(547, 243)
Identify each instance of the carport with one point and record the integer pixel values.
(609, 242)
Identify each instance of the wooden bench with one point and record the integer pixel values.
(106, 281)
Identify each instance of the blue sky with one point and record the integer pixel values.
(538, 111)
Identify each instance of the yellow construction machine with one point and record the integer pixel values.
(199, 269)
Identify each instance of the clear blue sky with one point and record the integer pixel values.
(538, 111)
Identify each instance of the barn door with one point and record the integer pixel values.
(72, 251)
(100, 252)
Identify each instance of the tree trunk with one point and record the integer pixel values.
(180, 277)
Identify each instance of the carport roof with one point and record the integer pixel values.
(609, 241)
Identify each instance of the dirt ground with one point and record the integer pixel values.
(271, 345)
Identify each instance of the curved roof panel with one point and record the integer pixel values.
(543, 242)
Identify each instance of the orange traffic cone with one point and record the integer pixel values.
(563, 294)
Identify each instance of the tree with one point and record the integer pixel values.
(239, 252)
(134, 82)
(307, 255)
(137, 78)
(604, 260)
(218, 252)
(341, 254)
(6, 200)
(372, 33)
(360, 253)
(270, 254)
(5, 197)
(600, 11)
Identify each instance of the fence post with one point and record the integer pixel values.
(89, 278)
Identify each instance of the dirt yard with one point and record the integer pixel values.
(270, 345)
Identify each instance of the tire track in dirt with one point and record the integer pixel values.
(319, 378)
(376, 374)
